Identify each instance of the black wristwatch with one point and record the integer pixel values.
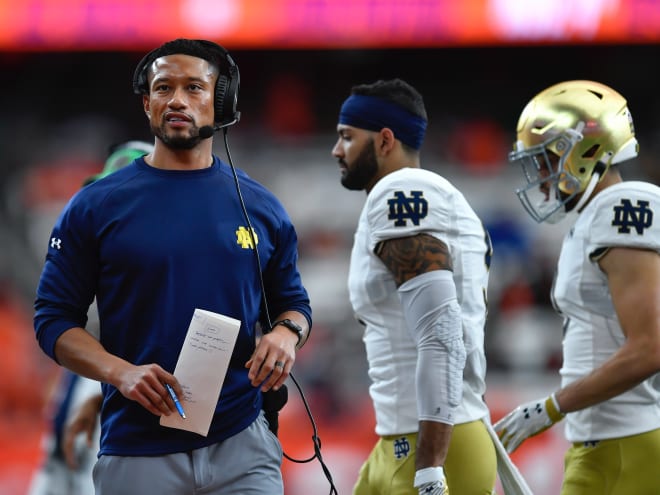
(291, 325)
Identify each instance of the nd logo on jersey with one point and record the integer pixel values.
(626, 215)
(244, 238)
(402, 208)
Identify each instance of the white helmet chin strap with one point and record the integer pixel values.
(595, 177)
(587, 191)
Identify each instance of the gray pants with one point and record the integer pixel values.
(247, 463)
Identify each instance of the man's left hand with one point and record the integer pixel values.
(527, 420)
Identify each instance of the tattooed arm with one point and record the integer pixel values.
(422, 269)
(407, 257)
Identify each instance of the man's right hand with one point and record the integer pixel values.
(145, 384)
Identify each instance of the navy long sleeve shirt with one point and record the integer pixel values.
(152, 245)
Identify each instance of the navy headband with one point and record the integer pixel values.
(373, 113)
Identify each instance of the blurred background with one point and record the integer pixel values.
(66, 97)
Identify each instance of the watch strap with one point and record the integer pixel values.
(291, 325)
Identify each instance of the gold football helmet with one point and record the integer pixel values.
(567, 138)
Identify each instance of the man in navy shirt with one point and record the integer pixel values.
(165, 235)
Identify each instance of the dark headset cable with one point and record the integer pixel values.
(315, 438)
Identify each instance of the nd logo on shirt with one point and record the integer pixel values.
(402, 208)
(638, 217)
(244, 238)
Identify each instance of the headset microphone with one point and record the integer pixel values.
(206, 131)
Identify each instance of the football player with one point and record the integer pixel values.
(571, 139)
(417, 281)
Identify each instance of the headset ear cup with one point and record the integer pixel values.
(227, 92)
(140, 82)
(220, 95)
(231, 96)
(138, 79)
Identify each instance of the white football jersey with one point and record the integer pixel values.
(621, 215)
(404, 203)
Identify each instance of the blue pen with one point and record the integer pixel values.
(176, 400)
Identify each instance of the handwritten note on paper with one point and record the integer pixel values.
(201, 369)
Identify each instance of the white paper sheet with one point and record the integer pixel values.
(201, 369)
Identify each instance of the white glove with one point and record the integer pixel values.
(527, 420)
(431, 481)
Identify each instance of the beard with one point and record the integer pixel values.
(361, 172)
(177, 142)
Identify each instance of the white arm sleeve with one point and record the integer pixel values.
(433, 317)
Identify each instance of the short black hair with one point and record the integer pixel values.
(396, 91)
(206, 50)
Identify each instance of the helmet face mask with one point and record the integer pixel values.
(549, 188)
(567, 138)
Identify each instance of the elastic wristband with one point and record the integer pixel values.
(428, 475)
(552, 406)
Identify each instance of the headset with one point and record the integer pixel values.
(226, 87)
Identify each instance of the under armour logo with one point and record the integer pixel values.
(244, 238)
(56, 242)
(401, 447)
(626, 215)
(527, 412)
(402, 208)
